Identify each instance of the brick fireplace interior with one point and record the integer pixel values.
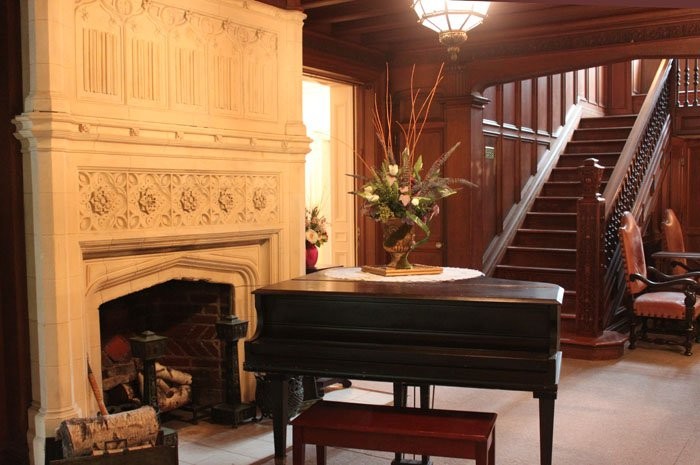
(186, 313)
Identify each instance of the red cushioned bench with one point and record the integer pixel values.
(443, 433)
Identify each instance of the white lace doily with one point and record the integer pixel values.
(356, 274)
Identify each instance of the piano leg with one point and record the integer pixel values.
(400, 399)
(279, 386)
(546, 425)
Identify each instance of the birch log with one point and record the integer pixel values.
(84, 436)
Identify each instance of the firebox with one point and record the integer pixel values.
(184, 312)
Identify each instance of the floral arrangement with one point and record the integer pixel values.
(316, 227)
(399, 188)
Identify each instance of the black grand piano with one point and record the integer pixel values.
(481, 332)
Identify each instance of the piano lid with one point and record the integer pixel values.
(481, 289)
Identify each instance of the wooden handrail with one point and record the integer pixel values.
(614, 186)
(623, 188)
(600, 286)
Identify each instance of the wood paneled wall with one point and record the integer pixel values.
(683, 180)
(680, 191)
(520, 123)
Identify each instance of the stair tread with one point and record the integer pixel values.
(597, 155)
(548, 249)
(564, 185)
(591, 118)
(576, 154)
(546, 231)
(603, 128)
(570, 168)
(538, 268)
(595, 141)
(551, 213)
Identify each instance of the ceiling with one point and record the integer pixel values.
(388, 26)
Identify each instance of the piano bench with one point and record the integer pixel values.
(442, 433)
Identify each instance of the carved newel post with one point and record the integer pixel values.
(149, 347)
(589, 246)
(230, 329)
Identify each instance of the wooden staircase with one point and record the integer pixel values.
(544, 247)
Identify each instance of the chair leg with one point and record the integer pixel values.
(633, 333)
(298, 448)
(688, 347)
(689, 338)
(320, 455)
(644, 329)
(298, 453)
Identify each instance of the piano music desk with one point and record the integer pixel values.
(444, 433)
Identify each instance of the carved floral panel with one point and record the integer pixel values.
(128, 200)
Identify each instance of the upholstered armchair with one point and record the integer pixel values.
(674, 243)
(666, 305)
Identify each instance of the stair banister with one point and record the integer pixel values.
(615, 183)
(598, 279)
(630, 181)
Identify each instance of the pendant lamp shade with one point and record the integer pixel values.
(451, 19)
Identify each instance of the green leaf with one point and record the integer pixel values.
(424, 227)
(418, 166)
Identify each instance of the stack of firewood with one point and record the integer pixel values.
(122, 380)
(119, 373)
(173, 387)
(104, 433)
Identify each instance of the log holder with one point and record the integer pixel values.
(148, 346)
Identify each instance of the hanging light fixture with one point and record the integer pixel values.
(451, 19)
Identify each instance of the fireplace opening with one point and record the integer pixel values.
(191, 370)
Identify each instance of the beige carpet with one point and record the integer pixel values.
(643, 409)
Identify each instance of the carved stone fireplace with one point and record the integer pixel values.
(161, 142)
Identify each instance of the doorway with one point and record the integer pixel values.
(328, 113)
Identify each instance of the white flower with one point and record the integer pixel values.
(373, 198)
(415, 201)
(369, 189)
(393, 170)
(311, 236)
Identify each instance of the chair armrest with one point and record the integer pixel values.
(687, 268)
(692, 259)
(677, 284)
(660, 276)
(667, 254)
